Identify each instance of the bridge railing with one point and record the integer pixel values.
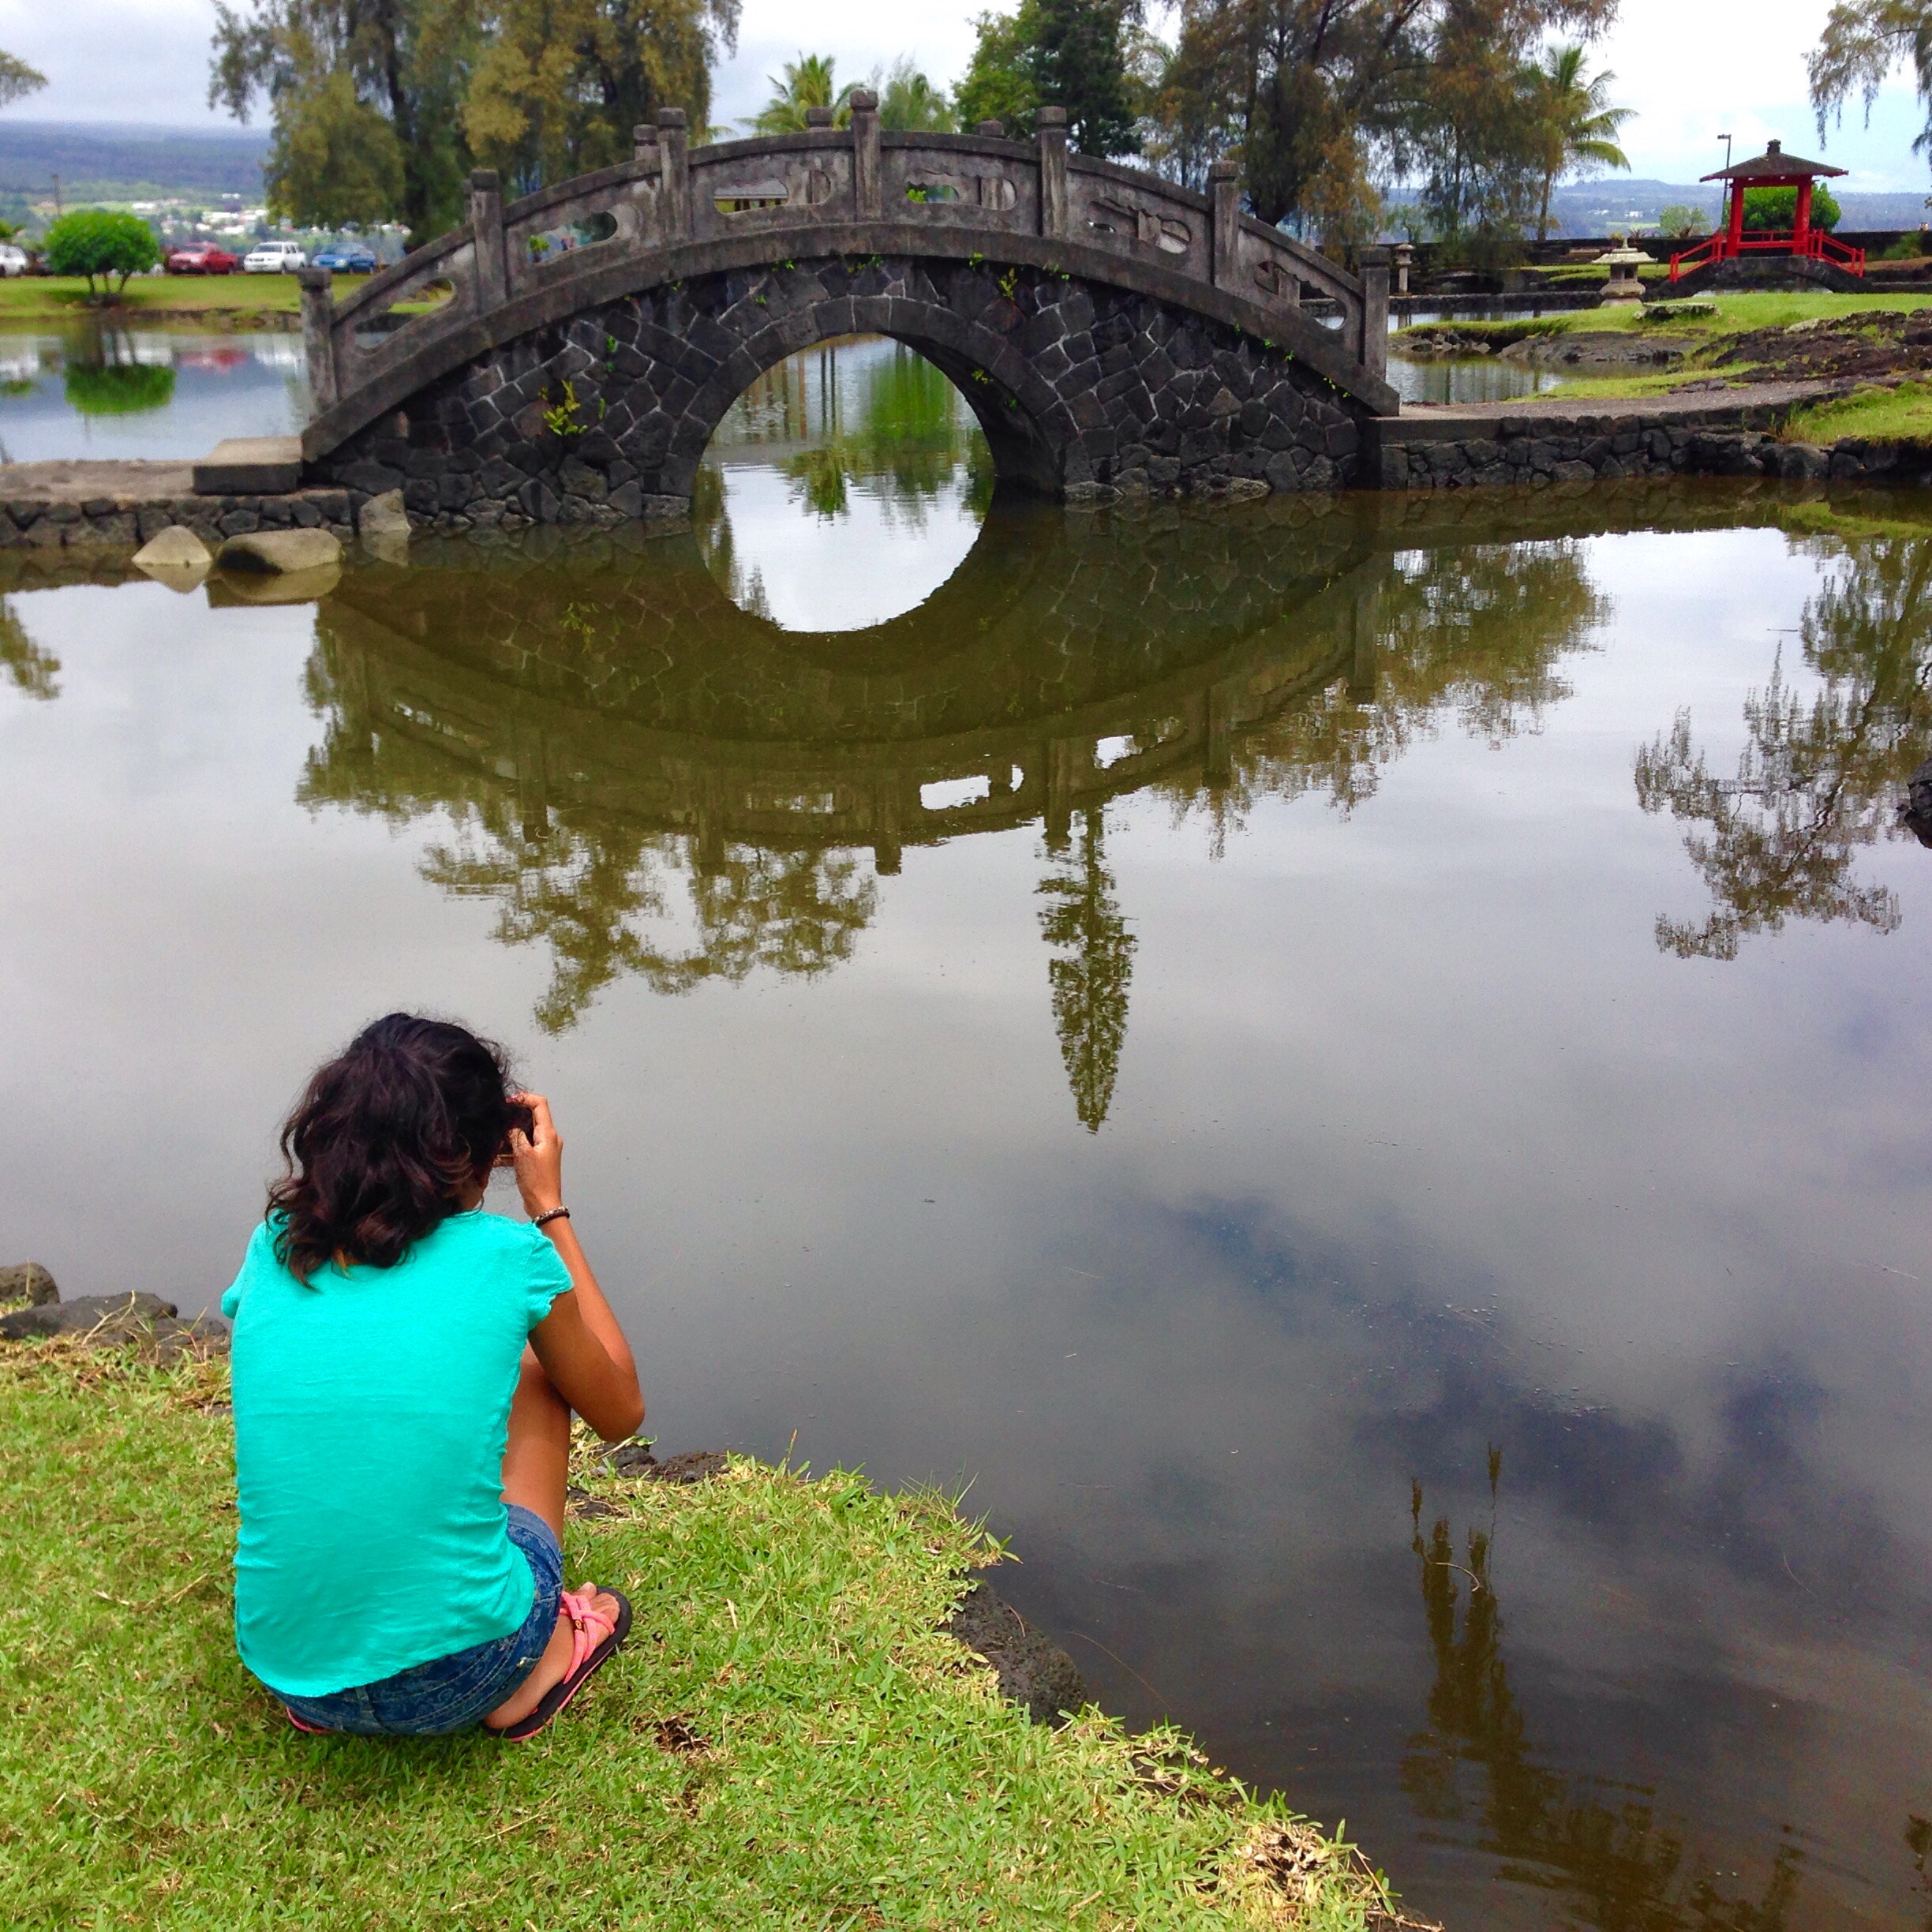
(861, 176)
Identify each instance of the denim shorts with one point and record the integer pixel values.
(453, 1693)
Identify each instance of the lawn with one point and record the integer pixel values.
(37, 298)
(1905, 412)
(1736, 313)
(787, 1741)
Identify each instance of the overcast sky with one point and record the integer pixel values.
(1692, 68)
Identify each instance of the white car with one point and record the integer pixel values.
(12, 260)
(274, 258)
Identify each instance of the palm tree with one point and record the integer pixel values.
(909, 103)
(1577, 126)
(808, 82)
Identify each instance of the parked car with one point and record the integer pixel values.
(200, 258)
(13, 260)
(274, 258)
(347, 258)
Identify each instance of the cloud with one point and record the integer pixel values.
(1689, 72)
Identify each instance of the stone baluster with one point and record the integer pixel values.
(865, 133)
(486, 227)
(1224, 192)
(674, 174)
(318, 319)
(644, 145)
(1372, 347)
(1052, 125)
(994, 130)
(819, 117)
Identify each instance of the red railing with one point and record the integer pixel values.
(1814, 244)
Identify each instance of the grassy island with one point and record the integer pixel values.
(788, 1740)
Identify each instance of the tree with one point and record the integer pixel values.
(404, 62)
(1071, 54)
(809, 81)
(1316, 98)
(18, 79)
(334, 161)
(558, 85)
(1680, 222)
(999, 84)
(101, 244)
(1863, 42)
(909, 103)
(1577, 126)
(1773, 209)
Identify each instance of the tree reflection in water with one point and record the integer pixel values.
(903, 437)
(647, 782)
(1476, 632)
(1094, 963)
(1817, 782)
(1472, 1759)
(30, 669)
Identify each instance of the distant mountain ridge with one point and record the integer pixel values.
(1589, 206)
(96, 159)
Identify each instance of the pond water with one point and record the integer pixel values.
(148, 393)
(1358, 1067)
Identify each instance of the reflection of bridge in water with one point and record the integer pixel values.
(1037, 684)
(599, 721)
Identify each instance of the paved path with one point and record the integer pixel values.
(1679, 403)
(76, 481)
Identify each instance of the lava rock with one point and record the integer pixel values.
(176, 550)
(1032, 1669)
(145, 1320)
(86, 1315)
(636, 1460)
(27, 1281)
(280, 553)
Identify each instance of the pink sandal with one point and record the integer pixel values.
(593, 1638)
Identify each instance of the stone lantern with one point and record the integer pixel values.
(1405, 256)
(1623, 285)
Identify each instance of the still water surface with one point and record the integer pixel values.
(1359, 1067)
(91, 391)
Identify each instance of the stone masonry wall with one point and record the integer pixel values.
(124, 522)
(1540, 451)
(1084, 392)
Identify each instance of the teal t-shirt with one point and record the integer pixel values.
(371, 1411)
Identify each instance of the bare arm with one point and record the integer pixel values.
(582, 1350)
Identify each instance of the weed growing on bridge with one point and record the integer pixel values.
(561, 419)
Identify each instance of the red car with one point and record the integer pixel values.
(201, 258)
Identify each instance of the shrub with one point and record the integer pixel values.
(101, 244)
(1775, 208)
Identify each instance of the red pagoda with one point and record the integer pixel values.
(1773, 169)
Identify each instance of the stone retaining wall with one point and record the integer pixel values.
(124, 522)
(1538, 451)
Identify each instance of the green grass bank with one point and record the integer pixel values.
(788, 1740)
(205, 302)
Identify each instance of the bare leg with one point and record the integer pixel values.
(536, 1472)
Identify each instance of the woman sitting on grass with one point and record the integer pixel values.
(405, 1369)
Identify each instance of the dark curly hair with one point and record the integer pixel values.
(384, 1140)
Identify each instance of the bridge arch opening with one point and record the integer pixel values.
(844, 486)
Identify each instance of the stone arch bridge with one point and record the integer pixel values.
(565, 359)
